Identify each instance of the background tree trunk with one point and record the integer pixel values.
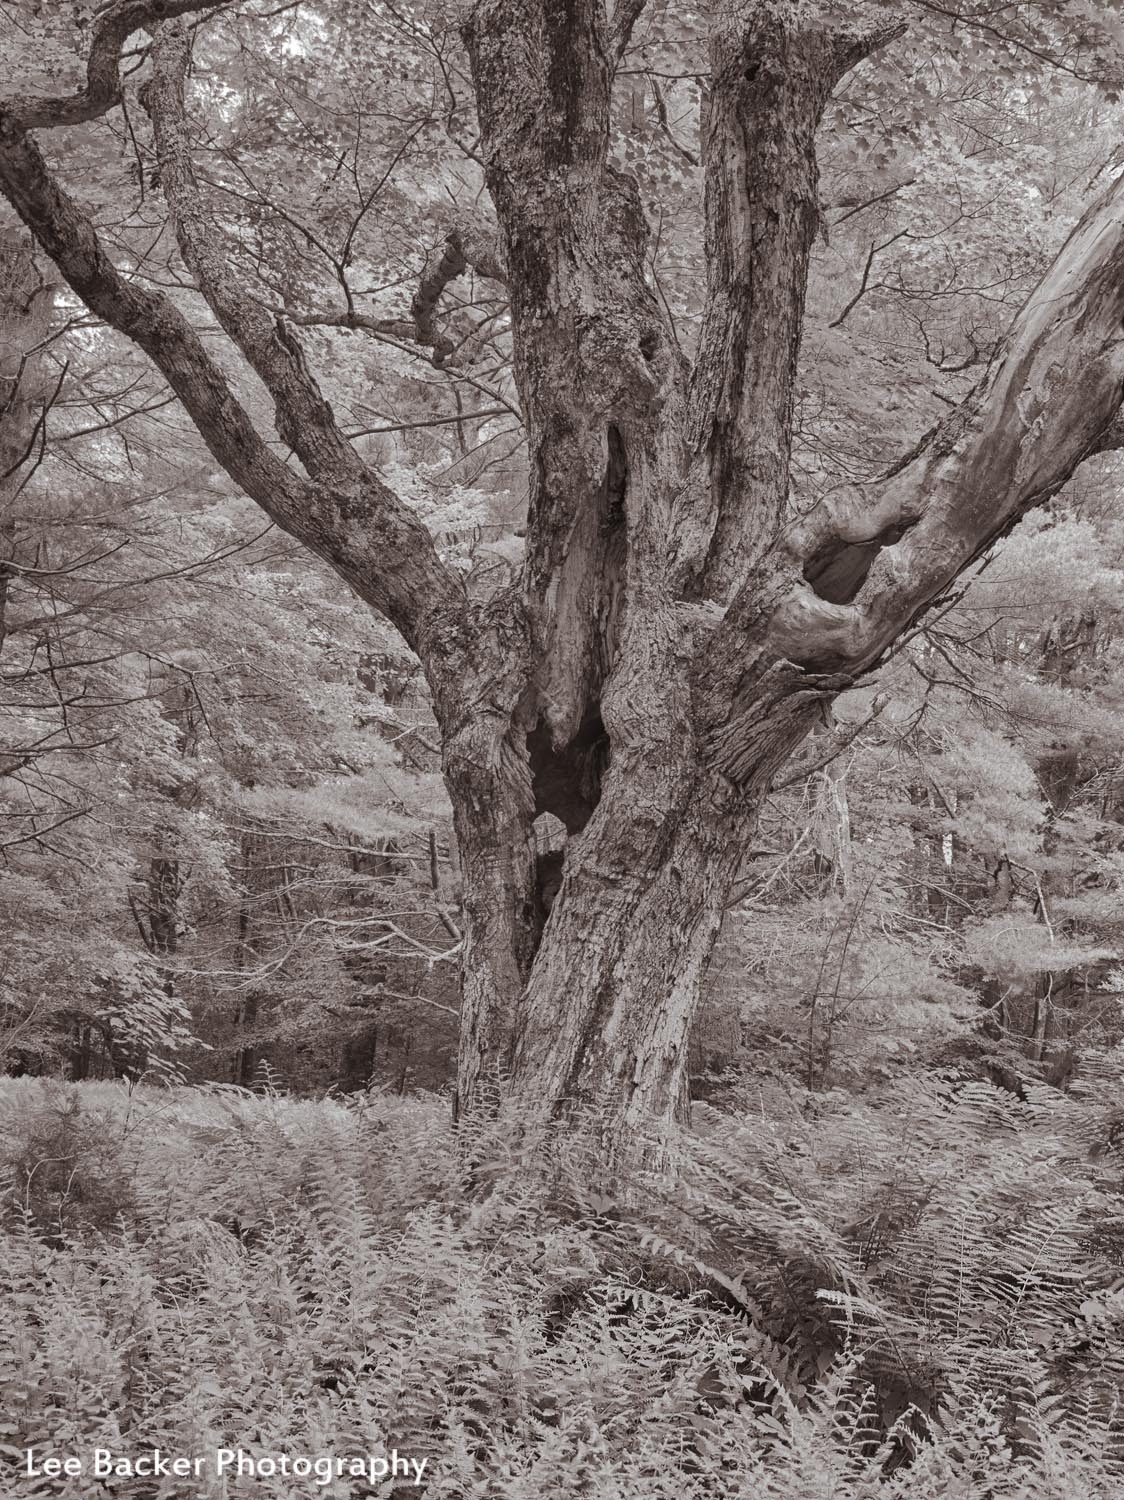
(25, 314)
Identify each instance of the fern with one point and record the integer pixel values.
(908, 1297)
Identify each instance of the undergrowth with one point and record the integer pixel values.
(908, 1295)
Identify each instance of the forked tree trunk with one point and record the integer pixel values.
(597, 1010)
(705, 648)
(655, 492)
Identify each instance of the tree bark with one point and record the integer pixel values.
(651, 490)
(25, 315)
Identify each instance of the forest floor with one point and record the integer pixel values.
(910, 1296)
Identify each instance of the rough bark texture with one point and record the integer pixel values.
(770, 81)
(25, 315)
(653, 490)
(670, 643)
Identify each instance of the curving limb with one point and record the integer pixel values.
(112, 30)
(342, 511)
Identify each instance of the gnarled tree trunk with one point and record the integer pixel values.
(654, 491)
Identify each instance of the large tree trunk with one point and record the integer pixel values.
(679, 654)
(616, 980)
(652, 493)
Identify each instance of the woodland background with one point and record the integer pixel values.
(227, 865)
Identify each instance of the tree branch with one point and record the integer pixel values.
(103, 76)
(626, 13)
(772, 75)
(383, 552)
(842, 738)
(346, 515)
(1051, 398)
(423, 305)
(304, 418)
(262, 335)
(864, 283)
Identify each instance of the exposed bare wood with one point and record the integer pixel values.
(1051, 399)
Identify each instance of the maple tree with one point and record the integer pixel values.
(687, 605)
